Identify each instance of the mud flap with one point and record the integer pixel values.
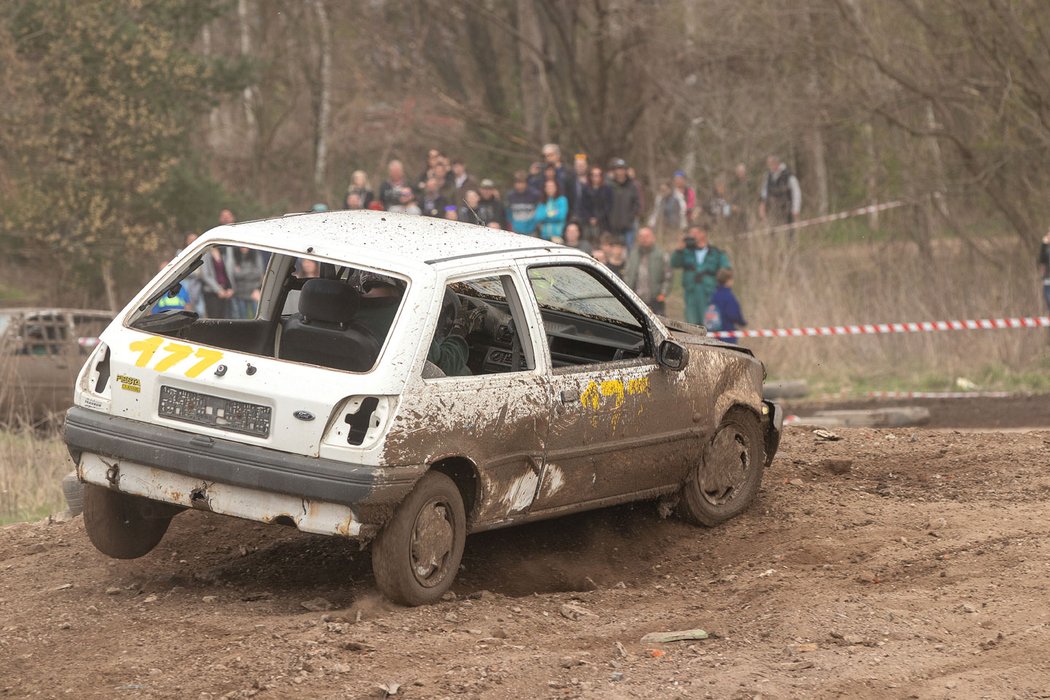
(772, 425)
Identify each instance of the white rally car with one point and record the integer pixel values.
(405, 381)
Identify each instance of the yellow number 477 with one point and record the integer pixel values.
(176, 353)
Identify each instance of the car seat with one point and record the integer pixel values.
(324, 332)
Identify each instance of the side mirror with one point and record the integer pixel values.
(672, 355)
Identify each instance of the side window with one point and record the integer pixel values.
(586, 322)
(44, 334)
(479, 330)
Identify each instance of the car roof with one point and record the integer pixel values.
(400, 237)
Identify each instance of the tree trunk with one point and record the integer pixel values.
(871, 172)
(248, 94)
(534, 90)
(110, 285)
(814, 136)
(322, 100)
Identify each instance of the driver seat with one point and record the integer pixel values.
(325, 332)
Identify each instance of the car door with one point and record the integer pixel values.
(616, 424)
(472, 402)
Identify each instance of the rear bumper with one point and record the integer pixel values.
(371, 491)
(773, 425)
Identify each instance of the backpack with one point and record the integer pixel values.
(712, 318)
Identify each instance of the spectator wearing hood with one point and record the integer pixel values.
(626, 203)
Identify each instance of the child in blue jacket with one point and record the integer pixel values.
(726, 307)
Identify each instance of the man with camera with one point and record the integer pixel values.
(699, 262)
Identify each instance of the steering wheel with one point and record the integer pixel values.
(451, 307)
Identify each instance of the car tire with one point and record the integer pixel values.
(417, 554)
(726, 479)
(121, 525)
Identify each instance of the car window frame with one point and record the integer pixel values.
(517, 304)
(609, 281)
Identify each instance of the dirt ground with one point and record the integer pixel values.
(911, 563)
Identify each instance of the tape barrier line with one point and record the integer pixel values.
(940, 395)
(827, 218)
(879, 328)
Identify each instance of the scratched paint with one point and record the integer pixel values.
(521, 493)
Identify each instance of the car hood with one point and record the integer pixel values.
(692, 334)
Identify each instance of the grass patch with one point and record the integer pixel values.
(31, 470)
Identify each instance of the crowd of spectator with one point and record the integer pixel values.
(605, 212)
(602, 211)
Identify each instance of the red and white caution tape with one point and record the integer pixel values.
(939, 394)
(877, 328)
(828, 218)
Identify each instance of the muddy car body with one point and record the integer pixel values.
(41, 353)
(434, 379)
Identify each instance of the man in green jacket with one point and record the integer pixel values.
(648, 271)
(700, 263)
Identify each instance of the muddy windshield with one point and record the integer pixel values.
(272, 304)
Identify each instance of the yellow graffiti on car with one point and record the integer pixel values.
(616, 389)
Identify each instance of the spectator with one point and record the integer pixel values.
(391, 189)
(433, 156)
(432, 203)
(599, 256)
(669, 212)
(699, 263)
(578, 183)
(468, 212)
(406, 203)
(452, 212)
(192, 284)
(308, 269)
(626, 203)
(1044, 267)
(724, 313)
(353, 202)
(552, 159)
(573, 239)
(717, 206)
(643, 201)
(494, 225)
(522, 201)
(536, 177)
(359, 185)
(490, 206)
(781, 197)
(616, 256)
(180, 302)
(443, 173)
(595, 205)
(741, 198)
(648, 270)
(217, 280)
(248, 268)
(681, 186)
(552, 212)
(461, 182)
(319, 208)
(226, 218)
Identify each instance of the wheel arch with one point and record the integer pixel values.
(464, 474)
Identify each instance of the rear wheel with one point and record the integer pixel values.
(124, 526)
(725, 481)
(417, 554)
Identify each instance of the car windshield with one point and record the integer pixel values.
(574, 290)
(268, 303)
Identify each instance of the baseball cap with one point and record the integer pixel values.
(617, 163)
(487, 183)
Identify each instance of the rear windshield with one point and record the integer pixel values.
(262, 302)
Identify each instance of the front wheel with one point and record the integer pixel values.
(416, 555)
(726, 479)
(124, 526)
